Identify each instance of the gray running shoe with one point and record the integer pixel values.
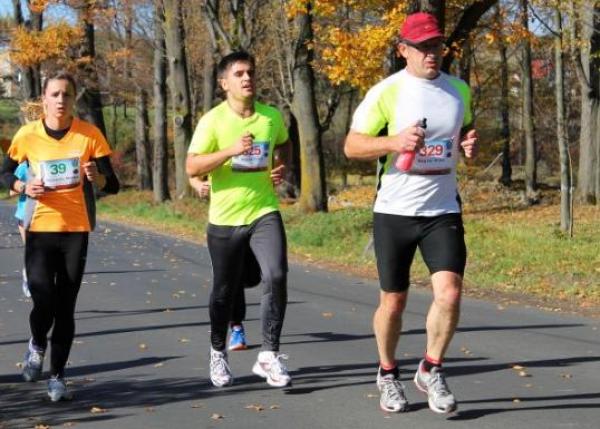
(433, 383)
(392, 397)
(220, 373)
(57, 389)
(33, 363)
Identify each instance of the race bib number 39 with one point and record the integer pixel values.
(60, 173)
(255, 159)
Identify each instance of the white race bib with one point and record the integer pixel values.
(434, 158)
(60, 173)
(254, 159)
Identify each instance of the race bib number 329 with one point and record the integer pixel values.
(60, 173)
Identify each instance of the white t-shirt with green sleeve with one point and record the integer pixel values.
(241, 188)
(429, 188)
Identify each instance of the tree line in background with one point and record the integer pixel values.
(533, 67)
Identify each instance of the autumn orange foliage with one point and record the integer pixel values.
(29, 48)
(352, 37)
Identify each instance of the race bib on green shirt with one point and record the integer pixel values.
(254, 159)
(60, 173)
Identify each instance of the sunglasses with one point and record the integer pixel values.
(426, 46)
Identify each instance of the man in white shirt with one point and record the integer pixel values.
(428, 117)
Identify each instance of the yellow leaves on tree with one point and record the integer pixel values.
(352, 37)
(356, 56)
(30, 48)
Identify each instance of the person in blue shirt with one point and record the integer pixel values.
(21, 173)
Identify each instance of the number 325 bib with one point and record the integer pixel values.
(60, 173)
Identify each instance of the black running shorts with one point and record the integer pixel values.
(440, 239)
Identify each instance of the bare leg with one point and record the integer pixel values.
(444, 312)
(387, 325)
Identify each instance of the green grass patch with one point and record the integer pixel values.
(518, 252)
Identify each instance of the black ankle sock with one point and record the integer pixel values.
(394, 370)
(427, 365)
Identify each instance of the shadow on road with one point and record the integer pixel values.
(515, 407)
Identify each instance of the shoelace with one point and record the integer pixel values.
(438, 384)
(392, 388)
(220, 364)
(277, 365)
(36, 358)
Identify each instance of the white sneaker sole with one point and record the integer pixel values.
(58, 398)
(221, 384)
(258, 370)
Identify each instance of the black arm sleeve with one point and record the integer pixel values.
(105, 168)
(7, 173)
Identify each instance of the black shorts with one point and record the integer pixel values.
(440, 239)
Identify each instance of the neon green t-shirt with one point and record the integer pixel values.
(241, 188)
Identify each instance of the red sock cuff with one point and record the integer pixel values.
(432, 360)
(387, 367)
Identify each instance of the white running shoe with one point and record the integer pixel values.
(392, 398)
(33, 363)
(433, 383)
(220, 373)
(269, 365)
(57, 389)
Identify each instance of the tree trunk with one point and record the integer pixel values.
(208, 79)
(506, 178)
(114, 124)
(566, 220)
(589, 77)
(435, 7)
(142, 142)
(465, 63)
(528, 128)
(180, 90)
(160, 161)
(313, 195)
(31, 86)
(89, 100)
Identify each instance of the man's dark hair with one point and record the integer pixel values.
(230, 59)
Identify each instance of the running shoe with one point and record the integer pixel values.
(269, 365)
(33, 363)
(392, 398)
(57, 389)
(220, 373)
(25, 286)
(237, 339)
(433, 383)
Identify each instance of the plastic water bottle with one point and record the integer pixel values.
(406, 159)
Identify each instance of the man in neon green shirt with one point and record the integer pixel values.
(234, 143)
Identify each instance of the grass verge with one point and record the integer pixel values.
(512, 253)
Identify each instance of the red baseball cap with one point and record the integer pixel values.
(419, 27)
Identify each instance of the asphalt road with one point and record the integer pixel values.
(141, 349)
